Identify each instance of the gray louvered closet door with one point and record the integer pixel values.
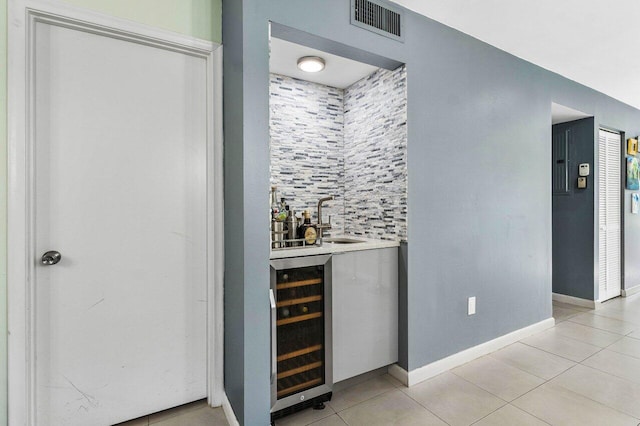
(609, 205)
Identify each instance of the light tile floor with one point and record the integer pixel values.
(195, 414)
(584, 371)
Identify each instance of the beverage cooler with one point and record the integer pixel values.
(301, 368)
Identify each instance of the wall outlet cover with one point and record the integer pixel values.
(471, 308)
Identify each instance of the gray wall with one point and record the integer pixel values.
(403, 320)
(573, 217)
(246, 174)
(479, 126)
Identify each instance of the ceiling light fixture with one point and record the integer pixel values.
(311, 63)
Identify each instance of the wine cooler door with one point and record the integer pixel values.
(302, 314)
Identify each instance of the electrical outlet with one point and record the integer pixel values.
(471, 306)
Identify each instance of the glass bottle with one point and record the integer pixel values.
(308, 230)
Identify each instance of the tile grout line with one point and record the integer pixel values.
(544, 378)
(541, 350)
(544, 350)
(344, 420)
(426, 408)
(604, 316)
(610, 374)
(576, 340)
(593, 328)
(586, 366)
(472, 384)
(517, 408)
(383, 393)
(355, 405)
(364, 400)
(540, 385)
(530, 390)
(602, 329)
(598, 402)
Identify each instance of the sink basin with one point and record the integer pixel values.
(342, 240)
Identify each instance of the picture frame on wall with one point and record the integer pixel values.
(632, 146)
(635, 201)
(633, 173)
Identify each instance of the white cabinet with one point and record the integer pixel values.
(365, 311)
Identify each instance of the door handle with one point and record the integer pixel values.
(274, 341)
(51, 258)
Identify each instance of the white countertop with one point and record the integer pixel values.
(331, 248)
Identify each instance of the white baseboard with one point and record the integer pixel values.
(428, 371)
(399, 373)
(630, 291)
(585, 303)
(228, 411)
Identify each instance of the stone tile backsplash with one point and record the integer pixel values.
(307, 145)
(375, 156)
(350, 143)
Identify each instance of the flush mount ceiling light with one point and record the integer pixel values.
(311, 63)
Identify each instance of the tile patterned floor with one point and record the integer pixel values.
(195, 414)
(584, 371)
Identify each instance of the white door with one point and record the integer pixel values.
(120, 193)
(609, 149)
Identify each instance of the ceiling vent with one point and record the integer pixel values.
(377, 16)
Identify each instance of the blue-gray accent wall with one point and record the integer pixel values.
(479, 156)
(403, 320)
(246, 194)
(573, 216)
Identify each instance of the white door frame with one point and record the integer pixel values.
(596, 206)
(22, 17)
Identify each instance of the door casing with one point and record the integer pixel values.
(23, 15)
(596, 204)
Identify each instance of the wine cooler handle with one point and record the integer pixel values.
(274, 362)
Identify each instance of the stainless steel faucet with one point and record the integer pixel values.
(322, 226)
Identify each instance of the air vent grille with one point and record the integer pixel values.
(377, 17)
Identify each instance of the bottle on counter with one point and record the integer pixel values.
(278, 216)
(308, 230)
(292, 226)
(283, 213)
(275, 207)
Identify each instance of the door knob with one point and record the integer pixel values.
(51, 258)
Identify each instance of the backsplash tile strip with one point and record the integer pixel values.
(375, 156)
(307, 145)
(349, 143)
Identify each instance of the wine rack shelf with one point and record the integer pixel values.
(300, 352)
(301, 386)
(283, 286)
(299, 369)
(299, 301)
(299, 318)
